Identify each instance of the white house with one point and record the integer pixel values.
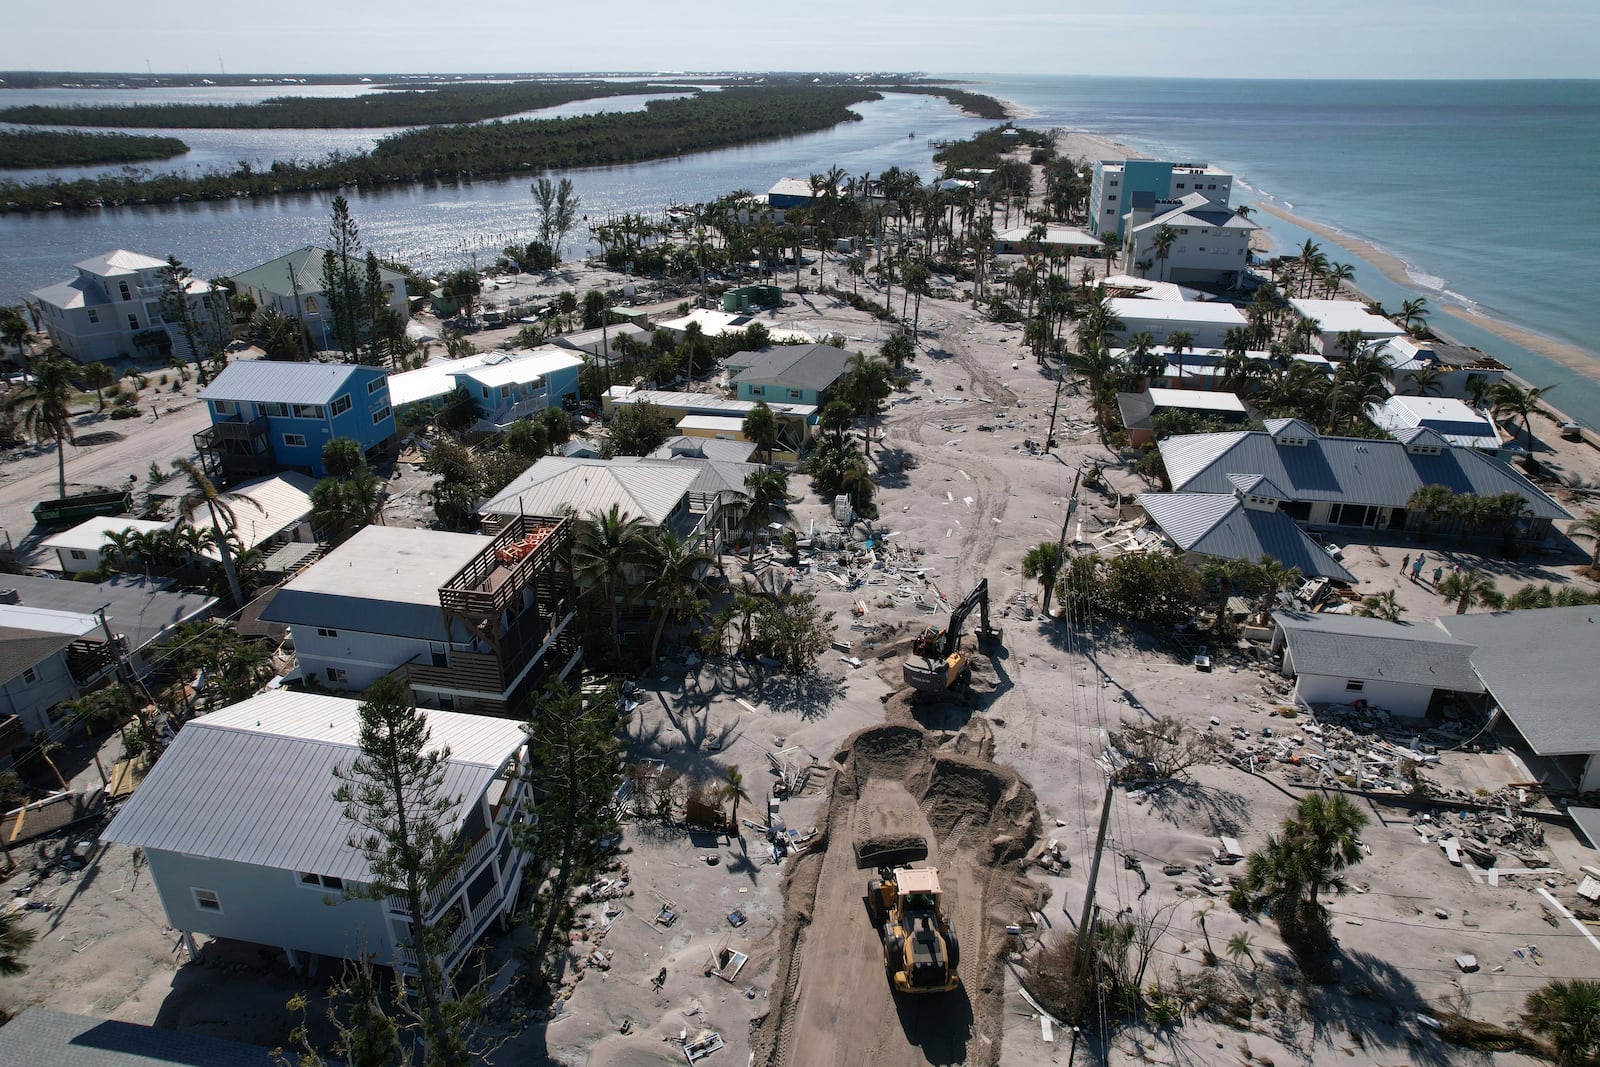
(1458, 371)
(1334, 317)
(1207, 322)
(292, 284)
(42, 661)
(1063, 240)
(244, 839)
(1453, 420)
(1400, 667)
(82, 548)
(507, 386)
(1211, 241)
(469, 622)
(113, 310)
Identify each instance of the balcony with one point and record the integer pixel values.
(528, 550)
(503, 416)
(235, 447)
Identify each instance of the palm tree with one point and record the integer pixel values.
(1468, 588)
(1335, 276)
(14, 330)
(609, 549)
(856, 480)
(15, 940)
(1110, 246)
(1292, 870)
(733, 789)
(1510, 399)
(1383, 606)
(761, 428)
(675, 581)
(1042, 563)
(1425, 381)
(1239, 944)
(835, 419)
(203, 491)
(1588, 529)
(98, 376)
(867, 387)
(1227, 574)
(46, 410)
(766, 491)
(1165, 237)
(1412, 312)
(1311, 262)
(1430, 501)
(1567, 1011)
(1144, 362)
(1180, 341)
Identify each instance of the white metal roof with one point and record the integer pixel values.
(725, 423)
(646, 489)
(1351, 646)
(1338, 316)
(253, 783)
(1196, 400)
(1053, 235)
(1454, 420)
(119, 261)
(268, 381)
(525, 367)
(702, 403)
(46, 620)
(264, 508)
(90, 534)
(1208, 312)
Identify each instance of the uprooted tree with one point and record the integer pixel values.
(1162, 748)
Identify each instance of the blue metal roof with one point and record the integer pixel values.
(1220, 525)
(261, 381)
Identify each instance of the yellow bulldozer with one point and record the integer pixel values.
(920, 951)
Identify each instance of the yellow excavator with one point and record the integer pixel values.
(936, 661)
(919, 948)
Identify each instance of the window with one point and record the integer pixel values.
(1354, 686)
(309, 304)
(323, 631)
(381, 414)
(122, 287)
(1112, 199)
(794, 394)
(225, 407)
(133, 322)
(1213, 185)
(320, 881)
(338, 674)
(78, 553)
(94, 316)
(1180, 185)
(152, 311)
(341, 405)
(276, 411)
(206, 900)
(294, 440)
(374, 385)
(29, 676)
(307, 411)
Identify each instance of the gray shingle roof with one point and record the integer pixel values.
(1357, 647)
(812, 367)
(253, 783)
(40, 1036)
(1540, 667)
(1220, 525)
(268, 381)
(1349, 470)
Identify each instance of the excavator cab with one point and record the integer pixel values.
(942, 663)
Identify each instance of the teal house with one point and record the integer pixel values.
(268, 416)
(1116, 183)
(789, 374)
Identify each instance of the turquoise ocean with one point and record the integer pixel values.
(1485, 189)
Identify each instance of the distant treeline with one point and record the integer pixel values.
(54, 148)
(519, 146)
(385, 108)
(984, 107)
(986, 150)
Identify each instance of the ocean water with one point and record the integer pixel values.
(1485, 189)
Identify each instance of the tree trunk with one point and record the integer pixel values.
(558, 890)
(234, 588)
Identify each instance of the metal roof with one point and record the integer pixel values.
(1539, 665)
(813, 367)
(280, 501)
(384, 580)
(1337, 316)
(68, 294)
(1256, 485)
(271, 381)
(438, 379)
(645, 489)
(704, 448)
(1195, 400)
(1352, 646)
(525, 368)
(1588, 820)
(1455, 421)
(40, 1036)
(701, 403)
(119, 261)
(139, 608)
(261, 774)
(1220, 525)
(1208, 312)
(274, 275)
(1351, 470)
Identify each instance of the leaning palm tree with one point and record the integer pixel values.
(219, 506)
(733, 789)
(1588, 529)
(766, 491)
(1165, 237)
(46, 413)
(1383, 606)
(1239, 946)
(1511, 400)
(14, 942)
(1412, 312)
(610, 548)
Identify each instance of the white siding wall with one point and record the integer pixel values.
(1410, 701)
(366, 657)
(269, 907)
(31, 701)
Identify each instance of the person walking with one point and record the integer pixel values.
(1417, 564)
(1438, 575)
(1405, 563)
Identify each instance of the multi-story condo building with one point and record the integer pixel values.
(1115, 180)
(116, 309)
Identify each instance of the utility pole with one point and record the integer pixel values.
(1085, 929)
(299, 315)
(1061, 545)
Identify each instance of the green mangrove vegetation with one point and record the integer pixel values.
(383, 108)
(665, 128)
(62, 148)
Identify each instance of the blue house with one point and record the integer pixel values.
(268, 416)
(507, 386)
(788, 374)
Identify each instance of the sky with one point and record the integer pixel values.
(1179, 38)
